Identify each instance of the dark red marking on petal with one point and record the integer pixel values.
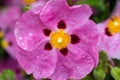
(107, 32)
(61, 25)
(48, 46)
(74, 39)
(46, 32)
(10, 43)
(7, 30)
(64, 51)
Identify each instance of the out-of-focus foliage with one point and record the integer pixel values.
(100, 71)
(101, 8)
(89, 77)
(7, 75)
(2, 51)
(117, 62)
(115, 72)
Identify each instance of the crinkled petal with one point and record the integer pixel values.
(80, 62)
(89, 36)
(74, 17)
(28, 31)
(40, 63)
(61, 72)
(37, 6)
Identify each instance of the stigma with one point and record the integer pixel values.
(59, 39)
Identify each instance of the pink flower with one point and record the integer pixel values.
(110, 34)
(13, 2)
(8, 18)
(10, 63)
(59, 42)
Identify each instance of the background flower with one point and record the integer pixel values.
(108, 41)
(7, 26)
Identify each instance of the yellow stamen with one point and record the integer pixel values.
(29, 2)
(1, 34)
(4, 44)
(59, 39)
(114, 25)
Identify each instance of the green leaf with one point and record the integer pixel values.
(26, 8)
(103, 60)
(115, 72)
(99, 4)
(99, 74)
(7, 75)
(100, 71)
(88, 77)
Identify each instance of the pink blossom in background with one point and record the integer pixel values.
(8, 18)
(110, 42)
(57, 41)
(13, 2)
(10, 63)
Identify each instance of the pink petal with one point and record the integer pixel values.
(37, 6)
(11, 49)
(89, 36)
(6, 20)
(116, 11)
(28, 31)
(74, 17)
(40, 63)
(61, 72)
(80, 62)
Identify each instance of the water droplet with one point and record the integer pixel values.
(20, 38)
(30, 34)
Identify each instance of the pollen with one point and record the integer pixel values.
(114, 25)
(59, 39)
(29, 2)
(4, 44)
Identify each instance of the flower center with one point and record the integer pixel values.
(4, 44)
(1, 34)
(114, 25)
(59, 39)
(29, 2)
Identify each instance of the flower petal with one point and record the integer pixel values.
(116, 11)
(89, 36)
(28, 31)
(80, 62)
(37, 6)
(61, 72)
(52, 14)
(40, 63)
(6, 20)
(12, 44)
